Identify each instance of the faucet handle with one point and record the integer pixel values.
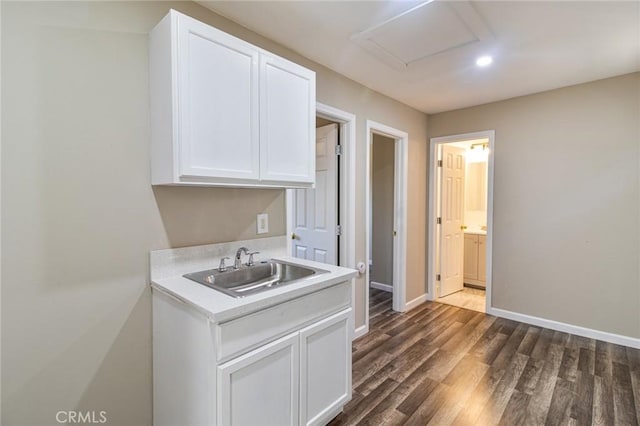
(250, 261)
(222, 267)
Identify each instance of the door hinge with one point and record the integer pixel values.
(439, 221)
(439, 163)
(437, 277)
(338, 149)
(339, 230)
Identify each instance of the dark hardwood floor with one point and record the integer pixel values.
(441, 365)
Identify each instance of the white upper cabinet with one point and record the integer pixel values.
(287, 121)
(225, 112)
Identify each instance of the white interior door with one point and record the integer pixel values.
(452, 214)
(315, 209)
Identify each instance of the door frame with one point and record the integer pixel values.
(432, 268)
(347, 183)
(401, 139)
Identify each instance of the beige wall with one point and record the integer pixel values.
(566, 201)
(79, 215)
(382, 179)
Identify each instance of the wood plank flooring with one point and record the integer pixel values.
(442, 365)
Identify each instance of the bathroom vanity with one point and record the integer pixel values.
(276, 357)
(475, 258)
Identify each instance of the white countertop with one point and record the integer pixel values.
(475, 231)
(220, 307)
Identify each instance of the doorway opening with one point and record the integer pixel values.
(386, 200)
(332, 225)
(381, 213)
(460, 220)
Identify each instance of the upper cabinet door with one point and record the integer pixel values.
(287, 121)
(217, 100)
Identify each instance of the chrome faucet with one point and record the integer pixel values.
(223, 267)
(238, 261)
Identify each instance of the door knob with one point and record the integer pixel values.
(293, 236)
(463, 227)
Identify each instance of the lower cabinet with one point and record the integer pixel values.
(261, 387)
(289, 364)
(475, 259)
(303, 378)
(325, 371)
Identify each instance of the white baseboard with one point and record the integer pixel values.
(567, 328)
(380, 286)
(415, 302)
(360, 331)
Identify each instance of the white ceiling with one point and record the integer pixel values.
(423, 53)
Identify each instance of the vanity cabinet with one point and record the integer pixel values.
(302, 378)
(475, 255)
(325, 371)
(225, 112)
(261, 387)
(286, 364)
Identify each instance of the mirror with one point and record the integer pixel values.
(476, 186)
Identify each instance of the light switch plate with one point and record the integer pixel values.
(262, 223)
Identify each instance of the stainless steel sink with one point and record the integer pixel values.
(254, 279)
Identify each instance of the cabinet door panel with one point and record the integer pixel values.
(287, 121)
(261, 387)
(218, 103)
(482, 258)
(471, 256)
(325, 368)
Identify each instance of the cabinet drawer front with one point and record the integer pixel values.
(245, 333)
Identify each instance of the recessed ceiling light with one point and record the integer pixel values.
(484, 61)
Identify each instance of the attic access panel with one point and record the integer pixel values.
(425, 30)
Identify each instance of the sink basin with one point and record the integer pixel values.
(254, 279)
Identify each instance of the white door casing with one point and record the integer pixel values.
(433, 246)
(315, 210)
(482, 256)
(452, 217)
(399, 304)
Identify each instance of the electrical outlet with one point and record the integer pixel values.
(262, 223)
